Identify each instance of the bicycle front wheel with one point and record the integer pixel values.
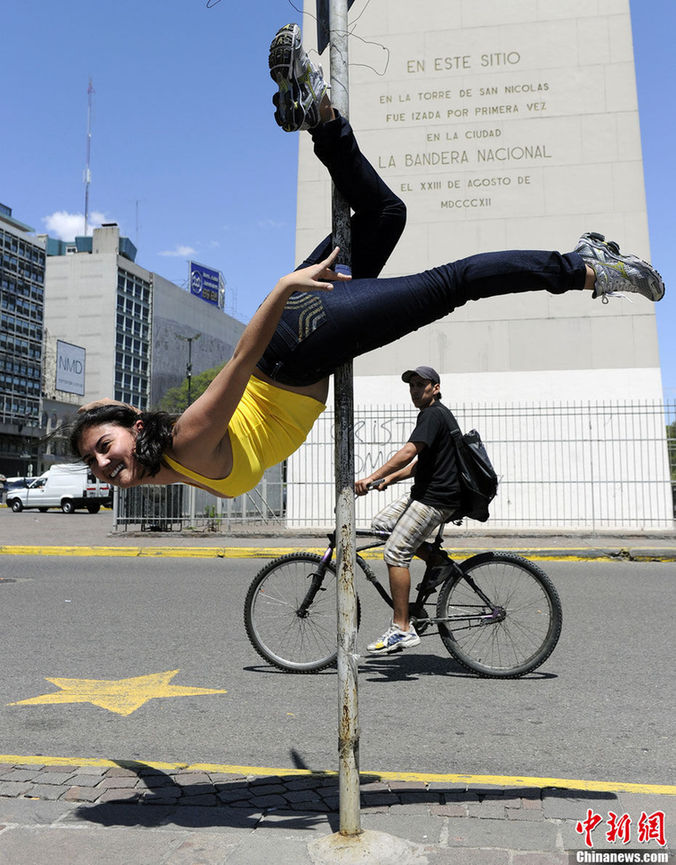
(290, 613)
(507, 628)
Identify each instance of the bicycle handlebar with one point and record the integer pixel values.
(372, 486)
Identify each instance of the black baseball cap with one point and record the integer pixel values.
(425, 372)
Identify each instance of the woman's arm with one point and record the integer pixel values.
(206, 420)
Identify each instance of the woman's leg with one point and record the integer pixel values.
(303, 103)
(379, 215)
(365, 314)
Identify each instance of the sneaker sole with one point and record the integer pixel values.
(296, 104)
(282, 57)
(282, 51)
(389, 650)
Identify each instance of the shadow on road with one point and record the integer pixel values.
(400, 667)
(409, 666)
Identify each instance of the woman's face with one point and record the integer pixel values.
(109, 451)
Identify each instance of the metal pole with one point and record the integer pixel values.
(348, 739)
(189, 366)
(87, 173)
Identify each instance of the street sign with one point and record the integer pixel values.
(70, 367)
(206, 283)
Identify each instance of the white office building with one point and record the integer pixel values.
(22, 283)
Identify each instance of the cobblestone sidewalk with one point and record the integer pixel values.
(446, 822)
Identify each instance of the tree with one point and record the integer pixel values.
(175, 400)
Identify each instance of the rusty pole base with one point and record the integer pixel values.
(366, 848)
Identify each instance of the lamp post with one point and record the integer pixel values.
(25, 455)
(188, 366)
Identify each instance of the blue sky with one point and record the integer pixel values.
(185, 154)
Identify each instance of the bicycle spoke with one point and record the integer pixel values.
(290, 620)
(527, 619)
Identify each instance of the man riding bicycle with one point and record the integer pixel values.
(429, 456)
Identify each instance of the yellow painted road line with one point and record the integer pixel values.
(567, 554)
(150, 552)
(424, 777)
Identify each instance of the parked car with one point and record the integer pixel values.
(69, 487)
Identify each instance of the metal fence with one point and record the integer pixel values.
(572, 466)
(178, 507)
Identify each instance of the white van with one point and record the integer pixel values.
(65, 486)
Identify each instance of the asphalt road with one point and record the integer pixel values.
(600, 708)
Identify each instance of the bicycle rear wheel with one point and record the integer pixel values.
(512, 635)
(290, 615)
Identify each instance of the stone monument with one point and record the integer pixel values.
(502, 125)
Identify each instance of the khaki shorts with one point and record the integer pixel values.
(410, 523)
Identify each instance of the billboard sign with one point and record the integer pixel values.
(205, 283)
(70, 367)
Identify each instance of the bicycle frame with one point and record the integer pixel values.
(327, 556)
(289, 610)
(424, 589)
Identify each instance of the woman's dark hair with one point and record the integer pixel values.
(154, 438)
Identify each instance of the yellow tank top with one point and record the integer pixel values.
(268, 425)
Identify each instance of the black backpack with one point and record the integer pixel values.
(477, 477)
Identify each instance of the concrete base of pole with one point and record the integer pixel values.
(367, 848)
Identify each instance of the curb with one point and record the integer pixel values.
(635, 554)
(99, 781)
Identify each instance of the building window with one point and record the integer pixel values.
(132, 345)
(21, 316)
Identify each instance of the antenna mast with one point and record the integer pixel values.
(87, 173)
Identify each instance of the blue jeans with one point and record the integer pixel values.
(319, 332)
(379, 215)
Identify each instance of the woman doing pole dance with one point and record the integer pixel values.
(261, 406)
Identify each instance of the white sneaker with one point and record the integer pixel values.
(616, 273)
(301, 82)
(393, 640)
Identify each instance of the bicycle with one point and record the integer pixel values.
(498, 614)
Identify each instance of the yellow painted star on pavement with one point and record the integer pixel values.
(123, 696)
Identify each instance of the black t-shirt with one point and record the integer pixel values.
(436, 474)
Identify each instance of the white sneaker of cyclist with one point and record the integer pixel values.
(394, 640)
